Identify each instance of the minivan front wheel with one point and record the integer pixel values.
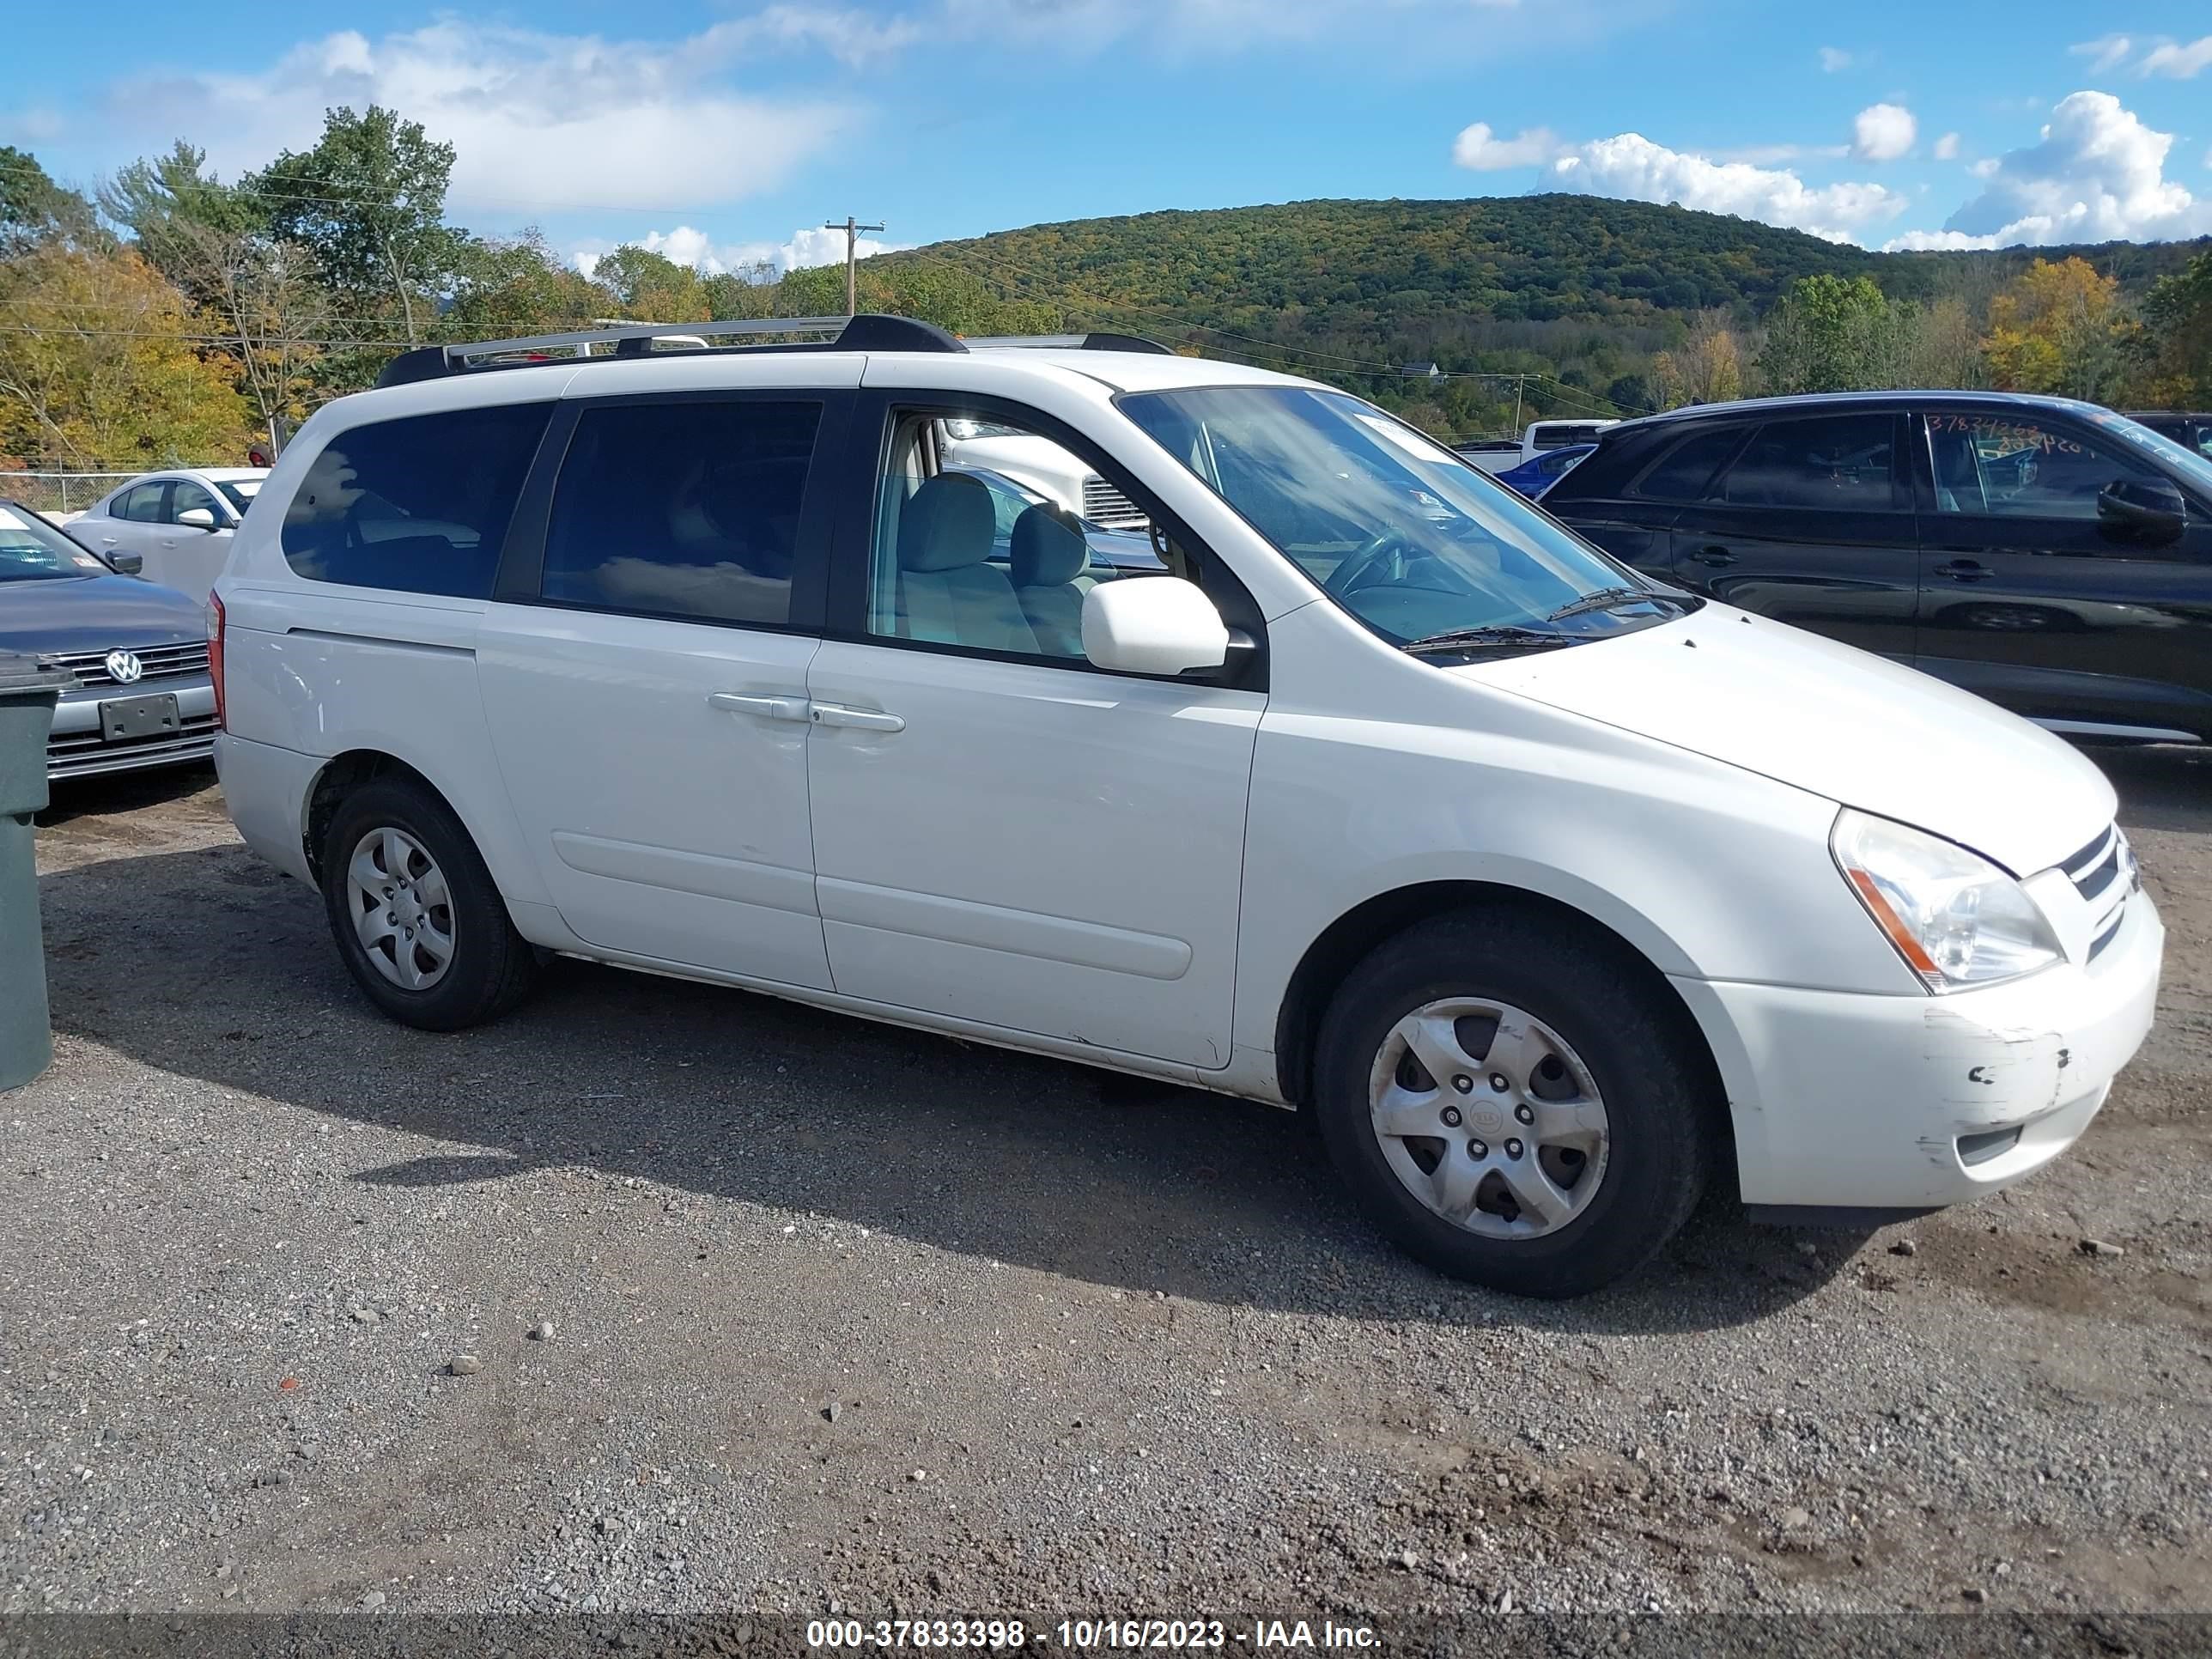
(1512, 1105)
(415, 913)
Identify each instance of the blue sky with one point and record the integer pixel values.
(731, 131)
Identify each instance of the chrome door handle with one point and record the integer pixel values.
(865, 719)
(774, 708)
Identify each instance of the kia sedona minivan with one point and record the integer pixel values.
(1553, 892)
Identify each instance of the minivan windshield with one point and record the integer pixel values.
(1408, 536)
(31, 550)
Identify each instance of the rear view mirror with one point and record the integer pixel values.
(1152, 625)
(127, 564)
(2151, 509)
(197, 517)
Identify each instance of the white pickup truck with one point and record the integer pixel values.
(1497, 455)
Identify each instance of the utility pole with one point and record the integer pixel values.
(852, 228)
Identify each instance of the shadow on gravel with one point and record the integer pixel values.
(122, 792)
(208, 965)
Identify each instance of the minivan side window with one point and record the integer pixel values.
(417, 504)
(2020, 466)
(687, 509)
(1837, 463)
(973, 548)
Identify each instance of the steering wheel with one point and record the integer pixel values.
(1344, 579)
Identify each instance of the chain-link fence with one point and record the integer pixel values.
(59, 493)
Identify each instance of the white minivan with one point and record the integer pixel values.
(1553, 891)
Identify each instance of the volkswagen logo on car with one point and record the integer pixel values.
(124, 667)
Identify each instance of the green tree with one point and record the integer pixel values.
(503, 287)
(2176, 349)
(652, 286)
(368, 201)
(1830, 333)
(259, 296)
(33, 208)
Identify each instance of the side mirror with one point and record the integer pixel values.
(127, 564)
(199, 517)
(1152, 625)
(2149, 509)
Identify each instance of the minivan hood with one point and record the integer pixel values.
(1839, 722)
(42, 616)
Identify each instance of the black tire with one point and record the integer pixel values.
(1656, 1085)
(492, 966)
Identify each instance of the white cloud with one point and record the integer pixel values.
(1482, 151)
(808, 246)
(1884, 132)
(2107, 51)
(2098, 175)
(1834, 60)
(1947, 148)
(1631, 167)
(539, 121)
(2178, 62)
(1921, 241)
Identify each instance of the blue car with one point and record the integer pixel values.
(1533, 477)
(137, 652)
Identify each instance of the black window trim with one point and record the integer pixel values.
(874, 426)
(521, 571)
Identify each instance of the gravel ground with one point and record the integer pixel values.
(762, 1309)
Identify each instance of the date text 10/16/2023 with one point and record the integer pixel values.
(1087, 1634)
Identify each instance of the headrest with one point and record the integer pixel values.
(947, 525)
(1048, 548)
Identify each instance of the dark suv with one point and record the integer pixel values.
(2051, 555)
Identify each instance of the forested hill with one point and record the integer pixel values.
(1491, 283)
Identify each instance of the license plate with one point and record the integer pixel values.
(125, 717)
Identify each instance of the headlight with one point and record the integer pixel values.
(1956, 918)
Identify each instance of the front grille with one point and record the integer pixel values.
(1103, 504)
(157, 662)
(82, 754)
(2105, 873)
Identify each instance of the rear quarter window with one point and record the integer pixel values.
(417, 504)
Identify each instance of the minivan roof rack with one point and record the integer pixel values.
(866, 332)
(1077, 342)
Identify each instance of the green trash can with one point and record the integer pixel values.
(27, 694)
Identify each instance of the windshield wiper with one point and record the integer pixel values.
(1607, 598)
(1505, 633)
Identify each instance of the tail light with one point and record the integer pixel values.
(214, 656)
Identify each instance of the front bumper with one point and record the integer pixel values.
(1917, 1101)
(75, 749)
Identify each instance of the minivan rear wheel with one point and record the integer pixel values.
(415, 913)
(1512, 1103)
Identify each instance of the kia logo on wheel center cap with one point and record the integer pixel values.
(124, 667)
